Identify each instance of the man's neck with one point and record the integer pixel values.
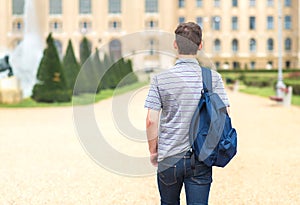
(186, 56)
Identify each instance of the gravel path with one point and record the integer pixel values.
(43, 162)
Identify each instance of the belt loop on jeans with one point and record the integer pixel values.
(187, 155)
(193, 160)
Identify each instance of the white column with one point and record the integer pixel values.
(280, 85)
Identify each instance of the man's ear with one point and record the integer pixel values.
(175, 45)
(200, 46)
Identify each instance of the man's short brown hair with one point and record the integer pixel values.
(188, 38)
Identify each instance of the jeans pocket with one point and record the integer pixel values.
(167, 174)
(202, 173)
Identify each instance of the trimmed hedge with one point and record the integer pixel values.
(295, 84)
(258, 81)
(51, 96)
(263, 78)
(258, 71)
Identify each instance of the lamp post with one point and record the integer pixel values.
(280, 85)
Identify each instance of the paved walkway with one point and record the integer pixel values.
(42, 161)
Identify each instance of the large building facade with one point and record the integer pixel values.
(237, 33)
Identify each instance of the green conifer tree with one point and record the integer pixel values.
(51, 85)
(106, 80)
(128, 76)
(86, 78)
(98, 69)
(85, 50)
(71, 66)
(133, 77)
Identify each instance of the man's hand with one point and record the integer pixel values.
(153, 159)
(228, 110)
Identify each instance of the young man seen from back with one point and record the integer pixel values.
(172, 99)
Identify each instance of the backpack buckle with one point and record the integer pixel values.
(204, 90)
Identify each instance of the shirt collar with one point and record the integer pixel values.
(186, 60)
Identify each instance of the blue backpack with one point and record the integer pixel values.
(212, 138)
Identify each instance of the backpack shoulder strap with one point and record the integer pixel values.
(207, 78)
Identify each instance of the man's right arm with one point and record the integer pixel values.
(152, 121)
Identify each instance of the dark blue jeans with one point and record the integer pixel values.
(174, 172)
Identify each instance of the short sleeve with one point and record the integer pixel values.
(153, 100)
(220, 90)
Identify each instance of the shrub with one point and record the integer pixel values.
(51, 96)
(258, 81)
(294, 75)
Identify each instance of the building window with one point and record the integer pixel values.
(270, 22)
(234, 23)
(85, 6)
(181, 3)
(252, 65)
(55, 7)
(270, 44)
(288, 44)
(270, 2)
(18, 7)
(18, 26)
(151, 6)
(217, 3)
(269, 65)
(151, 24)
(252, 46)
(181, 19)
(199, 21)
(287, 64)
(216, 22)
(114, 6)
(236, 65)
(85, 26)
(217, 45)
(287, 3)
(115, 25)
(234, 3)
(115, 49)
(235, 45)
(252, 2)
(152, 45)
(55, 26)
(199, 3)
(287, 22)
(252, 23)
(217, 63)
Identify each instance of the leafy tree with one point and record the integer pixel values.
(71, 66)
(51, 85)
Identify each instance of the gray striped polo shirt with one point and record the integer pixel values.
(176, 93)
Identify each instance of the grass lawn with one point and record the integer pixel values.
(78, 100)
(266, 92)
